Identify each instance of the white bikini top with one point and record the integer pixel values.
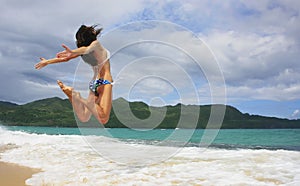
(91, 59)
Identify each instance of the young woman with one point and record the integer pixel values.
(92, 52)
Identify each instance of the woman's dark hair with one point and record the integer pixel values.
(86, 35)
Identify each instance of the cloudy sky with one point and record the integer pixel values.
(244, 53)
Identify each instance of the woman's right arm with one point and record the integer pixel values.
(44, 62)
(64, 56)
(68, 54)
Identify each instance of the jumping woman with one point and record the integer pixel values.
(99, 101)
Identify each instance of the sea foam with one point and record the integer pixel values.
(72, 160)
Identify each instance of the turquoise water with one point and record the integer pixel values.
(288, 139)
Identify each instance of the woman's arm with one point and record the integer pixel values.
(78, 51)
(67, 54)
(64, 56)
(44, 62)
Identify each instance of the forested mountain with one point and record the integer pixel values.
(58, 112)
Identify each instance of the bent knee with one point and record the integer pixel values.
(83, 119)
(103, 116)
(104, 120)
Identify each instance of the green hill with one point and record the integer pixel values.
(47, 112)
(58, 112)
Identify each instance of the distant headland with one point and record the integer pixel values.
(58, 112)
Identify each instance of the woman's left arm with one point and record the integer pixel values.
(68, 53)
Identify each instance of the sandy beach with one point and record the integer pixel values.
(15, 175)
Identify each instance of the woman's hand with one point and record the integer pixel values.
(42, 63)
(67, 54)
(63, 56)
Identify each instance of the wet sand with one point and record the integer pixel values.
(15, 175)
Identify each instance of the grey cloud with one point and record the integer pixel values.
(39, 77)
(32, 29)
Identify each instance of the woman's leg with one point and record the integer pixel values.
(104, 104)
(80, 109)
(100, 106)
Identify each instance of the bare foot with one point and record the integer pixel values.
(66, 89)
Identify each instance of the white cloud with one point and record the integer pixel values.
(296, 114)
(275, 93)
(256, 66)
(34, 29)
(160, 50)
(256, 44)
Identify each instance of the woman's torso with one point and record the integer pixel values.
(99, 60)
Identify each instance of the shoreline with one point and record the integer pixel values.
(15, 175)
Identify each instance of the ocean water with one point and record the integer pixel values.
(71, 156)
